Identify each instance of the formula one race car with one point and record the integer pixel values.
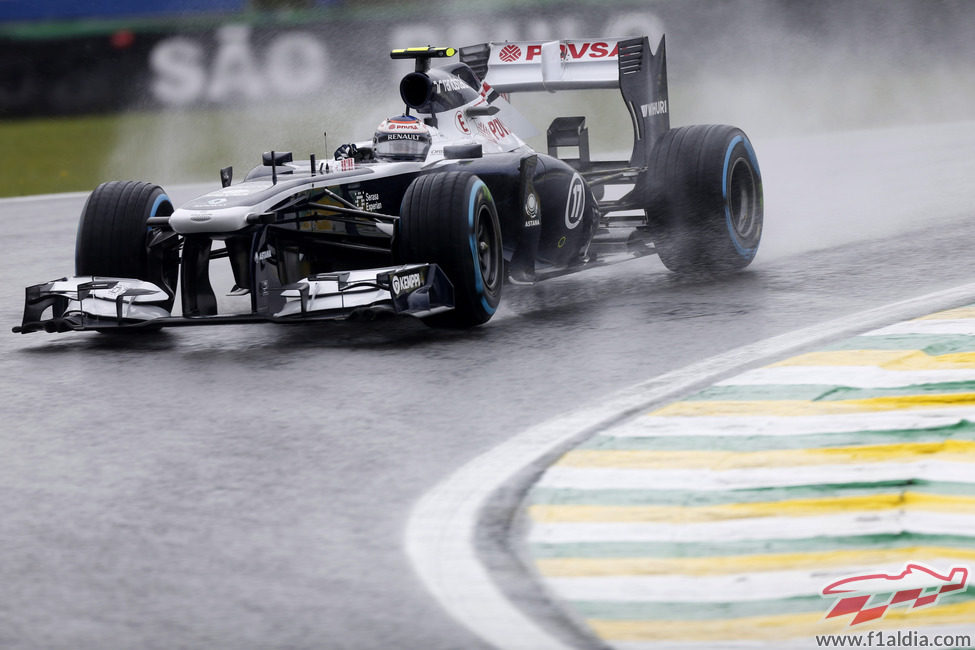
(431, 216)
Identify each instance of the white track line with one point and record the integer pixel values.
(188, 188)
(656, 426)
(847, 376)
(701, 479)
(440, 533)
(927, 327)
(727, 588)
(40, 198)
(877, 522)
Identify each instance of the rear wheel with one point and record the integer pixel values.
(705, 204)
(113, 237)
(449, 218)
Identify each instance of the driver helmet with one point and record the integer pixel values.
(401, 138)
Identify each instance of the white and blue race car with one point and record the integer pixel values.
(431, 216)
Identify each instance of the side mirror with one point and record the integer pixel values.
(275, 158)
(482, 111)
(460, 151)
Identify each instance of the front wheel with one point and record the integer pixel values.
(705, 207)
(449, 218)
(113, 237)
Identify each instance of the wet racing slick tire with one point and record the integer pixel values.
(705, 204)
(113, 237)
(449, 218)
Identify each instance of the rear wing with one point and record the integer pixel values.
(627, 64)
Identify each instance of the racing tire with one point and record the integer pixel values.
(705, 204)
(113, 237)
(449, 218)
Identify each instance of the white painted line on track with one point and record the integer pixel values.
(440, 533)
(731, 587)
(188, 188)
(658, 426)
(927, 327)
(40, 198)
(720, 480)
(847, 376)
(889, 522)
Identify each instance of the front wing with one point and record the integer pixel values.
(100, 303)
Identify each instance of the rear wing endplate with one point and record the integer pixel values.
(627, 64)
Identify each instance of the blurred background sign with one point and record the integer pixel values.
(11, 10)
(60, 57)
(91, 87)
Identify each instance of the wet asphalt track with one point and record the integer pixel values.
(247, 486)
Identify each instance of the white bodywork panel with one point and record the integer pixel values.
(553, 65)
